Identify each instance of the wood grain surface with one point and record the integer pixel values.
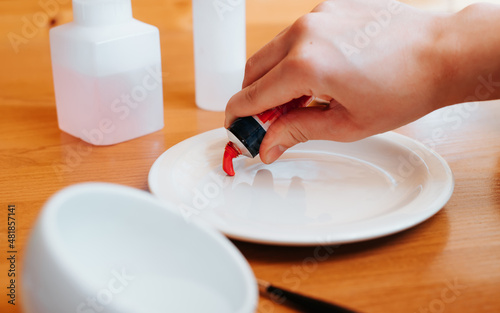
(450, 263)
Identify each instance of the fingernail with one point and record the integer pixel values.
(273, 154)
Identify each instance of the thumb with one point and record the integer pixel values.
(305, 124)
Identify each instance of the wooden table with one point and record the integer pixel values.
(450, 263)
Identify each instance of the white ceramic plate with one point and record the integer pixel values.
(319, 192)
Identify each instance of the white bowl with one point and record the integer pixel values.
(107, 248)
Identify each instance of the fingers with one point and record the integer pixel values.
(260, 64)
(332, 123)
(266, 58)
(325, 6)
(282, 70)
(278, 86)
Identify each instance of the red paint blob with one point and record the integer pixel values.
(230, 152)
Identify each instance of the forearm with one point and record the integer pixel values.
(471, 42)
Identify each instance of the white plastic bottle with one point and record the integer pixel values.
(107, 73)
(219, 33)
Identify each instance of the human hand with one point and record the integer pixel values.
(370, 59)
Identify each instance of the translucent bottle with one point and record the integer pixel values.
(107, 73)
(219, 51)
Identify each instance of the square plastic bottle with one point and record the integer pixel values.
(107, 73)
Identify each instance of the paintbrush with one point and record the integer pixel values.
(297, 301)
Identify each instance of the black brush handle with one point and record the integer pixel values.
(303, 303)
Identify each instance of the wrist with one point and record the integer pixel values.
(469, 53)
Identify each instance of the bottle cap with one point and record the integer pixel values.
(101, 12)
(247, 134)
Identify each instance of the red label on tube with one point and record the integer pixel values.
(266, 118)
(272, 114)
